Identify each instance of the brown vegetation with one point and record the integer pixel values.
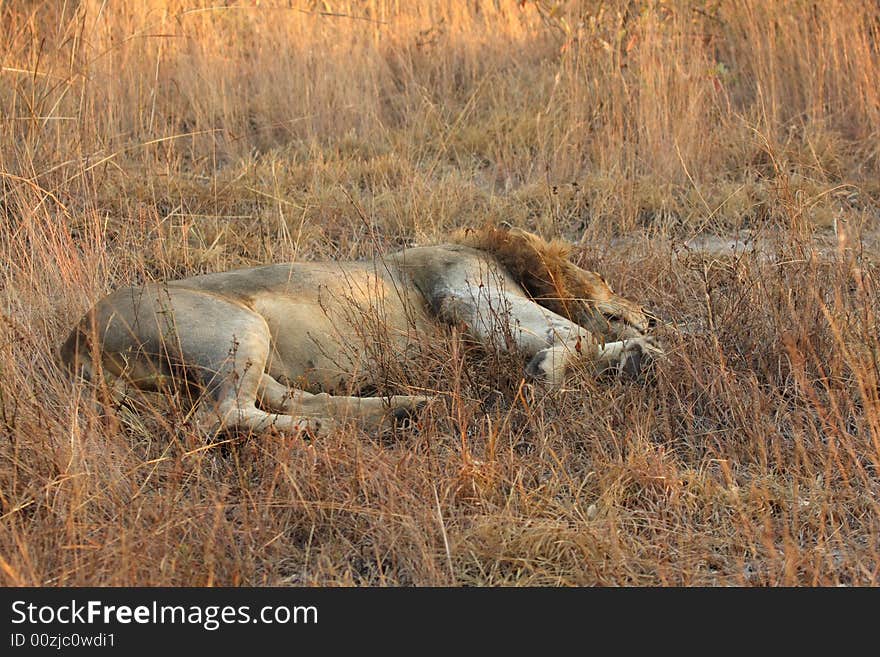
(144, 140)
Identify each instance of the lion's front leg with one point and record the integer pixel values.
(627, 356)
(554, 343)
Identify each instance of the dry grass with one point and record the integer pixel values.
(152, 139)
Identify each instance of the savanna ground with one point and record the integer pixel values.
(146, 140)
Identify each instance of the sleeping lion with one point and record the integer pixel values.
(273, 346)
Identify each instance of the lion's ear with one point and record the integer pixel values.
(505, 225)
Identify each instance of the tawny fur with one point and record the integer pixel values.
(283, 345)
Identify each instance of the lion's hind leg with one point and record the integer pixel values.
(373, 412)
(258, 421)
(236, 406)
(174, 334)
(239, 382)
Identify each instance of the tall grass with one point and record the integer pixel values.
(143, 140)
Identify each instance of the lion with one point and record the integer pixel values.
(274, 346)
